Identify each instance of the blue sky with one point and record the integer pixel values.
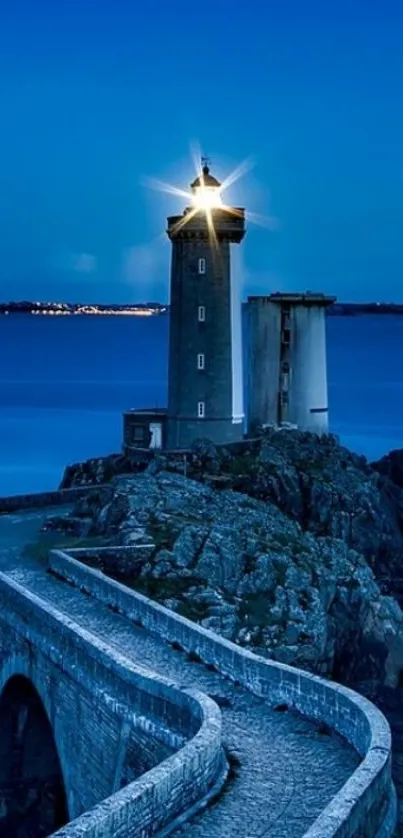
(97, 96)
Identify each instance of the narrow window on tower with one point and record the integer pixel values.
(200, 410)
(202, 314)
(200, 361)
(202, 266)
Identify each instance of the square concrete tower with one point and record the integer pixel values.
(205, 392)
(287, 371)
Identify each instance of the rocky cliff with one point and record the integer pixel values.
(286, 544)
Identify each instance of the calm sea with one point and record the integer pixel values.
(64, 383)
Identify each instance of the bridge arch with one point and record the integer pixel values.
(33, 796)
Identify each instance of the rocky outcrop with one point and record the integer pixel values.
(241, 566)
(288, 543)
(100, 470)
(327, 489)
(391, 466)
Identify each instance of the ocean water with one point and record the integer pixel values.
(64, 383)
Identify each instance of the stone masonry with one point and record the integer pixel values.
(92, 669)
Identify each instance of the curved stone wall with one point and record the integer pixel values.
(146, 805)
(365, 806)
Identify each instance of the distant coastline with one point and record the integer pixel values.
(354, 309)
(87, 309)
(151, 309)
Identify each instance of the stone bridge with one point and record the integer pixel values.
(121, 719)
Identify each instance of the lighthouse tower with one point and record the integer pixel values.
(205, 393)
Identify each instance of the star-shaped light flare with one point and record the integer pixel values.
(205, 198)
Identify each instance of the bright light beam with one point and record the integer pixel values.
(210, 225)
(239, 172)
(160, 186)
(267, 221)
(184, 220)
(205, 198)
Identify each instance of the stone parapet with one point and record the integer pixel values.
(365, 807)
(38, 500)
(183, 718)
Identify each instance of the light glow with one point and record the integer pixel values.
(206, 197)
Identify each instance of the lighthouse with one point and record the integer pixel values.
(205, 390)
(287, 370)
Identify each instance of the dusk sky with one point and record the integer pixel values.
(97, 97)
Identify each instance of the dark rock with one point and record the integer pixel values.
(122, 565)
(101, 470)
(391, 466)
(219, 481)
(221, 700)
(205, 454)
(329, 491)
(324, 729)
(88, 505)
(69, 525)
